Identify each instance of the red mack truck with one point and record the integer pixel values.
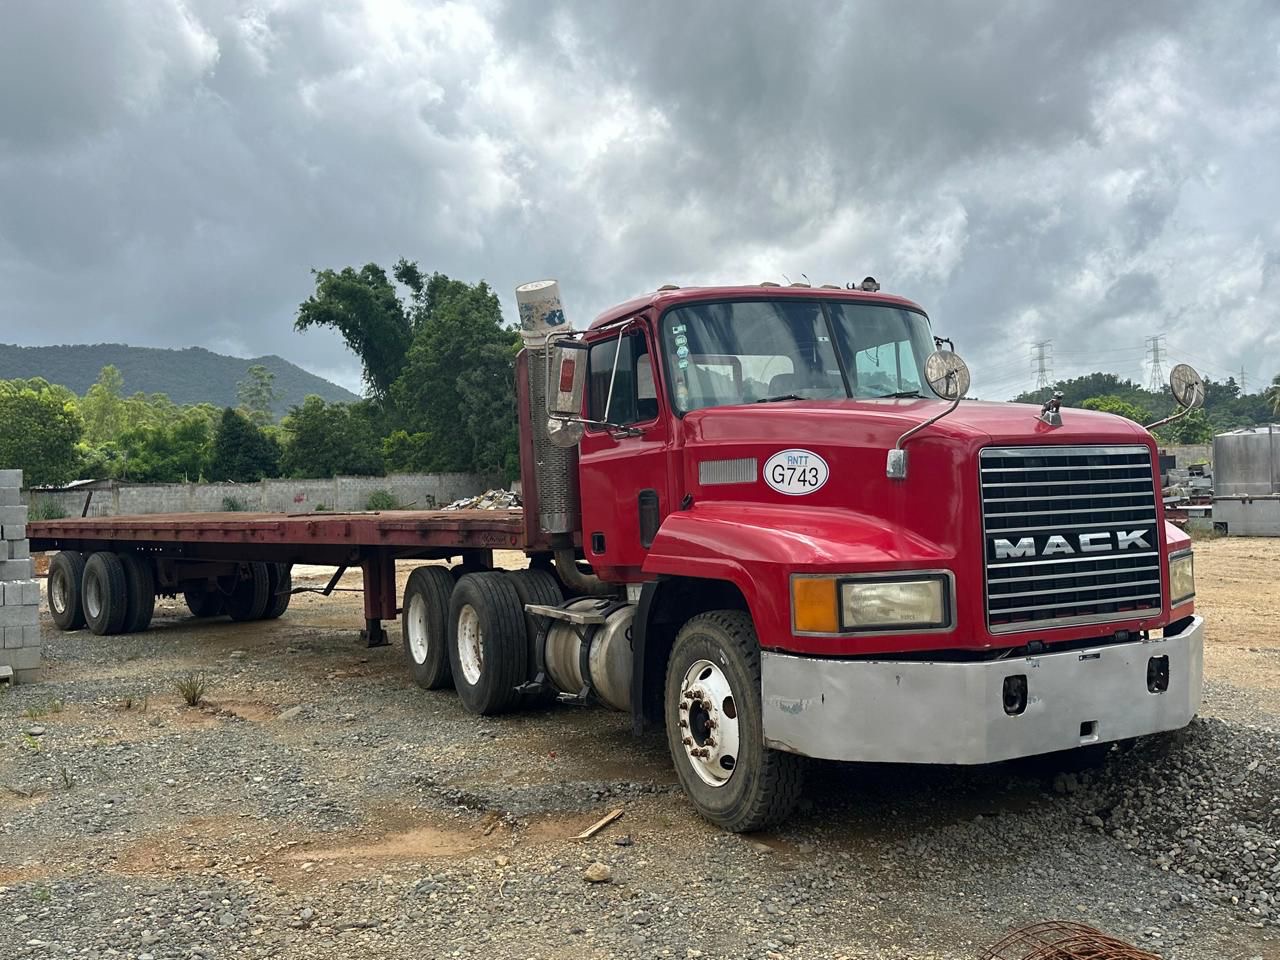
(764, 519)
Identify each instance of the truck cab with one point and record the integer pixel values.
(1011, 588)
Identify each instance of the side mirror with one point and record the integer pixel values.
(1188, 391)
(947, 374)
(1187, 386)
(948, 377)
(566, 374)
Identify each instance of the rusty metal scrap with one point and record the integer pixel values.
(1062, 940)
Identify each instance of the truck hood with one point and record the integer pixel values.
(879, 423)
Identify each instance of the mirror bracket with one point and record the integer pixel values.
(895, 467)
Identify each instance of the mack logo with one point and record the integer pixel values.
(1099, 541)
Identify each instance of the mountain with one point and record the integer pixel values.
(193, 375)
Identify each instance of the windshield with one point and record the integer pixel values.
(751, 351)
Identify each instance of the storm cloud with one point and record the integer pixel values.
(1092, 174)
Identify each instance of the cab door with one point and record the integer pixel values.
(623, 468)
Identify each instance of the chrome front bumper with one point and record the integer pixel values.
(932, 712)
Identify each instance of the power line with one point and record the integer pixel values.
(1154, 347)
(1042, 358)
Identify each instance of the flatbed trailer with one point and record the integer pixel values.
(763, 520)
(191, 548)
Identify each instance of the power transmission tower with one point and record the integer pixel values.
(1155, 355)
(1042, 361)
(1244, 387)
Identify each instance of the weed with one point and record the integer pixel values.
(42, 894)
(68, 781)
(135, 703)
(43, 508)
(382, 500)
(322, 508)
(30, 743)
(232, 505)
(193, 688)
(34, 712)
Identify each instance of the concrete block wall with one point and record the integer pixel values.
(419, 491)
(20, 643)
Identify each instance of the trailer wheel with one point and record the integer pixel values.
(424, 626)
(203, 603)
(248, 599)
(488, 653)
(105, 593)
(140, 593)
(535, 586)
(714, 726)
(279, 585)
(66, 574)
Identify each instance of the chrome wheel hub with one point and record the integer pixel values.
(708, 718)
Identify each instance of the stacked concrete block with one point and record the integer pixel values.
(19, 591)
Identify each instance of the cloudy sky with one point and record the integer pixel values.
(1091, 173)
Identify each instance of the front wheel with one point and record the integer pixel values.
(714, 727)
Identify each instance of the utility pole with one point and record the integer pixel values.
(1042, 362)
(1155, 354)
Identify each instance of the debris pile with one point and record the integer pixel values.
(489, 500)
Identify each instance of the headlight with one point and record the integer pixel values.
(827, 605)
(1182, 577)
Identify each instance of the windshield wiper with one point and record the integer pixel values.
(781, 396)
(901, 394)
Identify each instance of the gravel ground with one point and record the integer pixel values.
(319, 805)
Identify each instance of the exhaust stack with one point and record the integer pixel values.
(555, 467)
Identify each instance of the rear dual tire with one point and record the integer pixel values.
(65, 590)
(488, 648)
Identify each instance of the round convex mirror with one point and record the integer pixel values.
(1187, 386)
(947, 374)
(564, 433)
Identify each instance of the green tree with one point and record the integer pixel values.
(39, 430)
(460, 372)
(403, 452)
(1273, 395)
(241, 451)
(173, 452)
(1121, 408)
(327, 439)
(1193, 428)
(365, 309)
(258, 395)
(103, 407)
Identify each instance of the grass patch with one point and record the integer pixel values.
(192, 687)
(232, 505)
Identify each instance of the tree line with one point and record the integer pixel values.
(1226, 407)
(438, 365)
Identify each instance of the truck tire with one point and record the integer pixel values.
(279, 585)
(204, 603)
(535, 586)
(140, 593)
(424, 626)
(488, 653)
(66, 575)
(248, 600)
(105, 593)
(714, 726)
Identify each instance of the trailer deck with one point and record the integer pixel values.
(373, 541)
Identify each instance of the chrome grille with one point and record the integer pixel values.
(1070, 534)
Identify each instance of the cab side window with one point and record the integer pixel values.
(634, 398)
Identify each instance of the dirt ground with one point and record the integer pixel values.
(318, 804)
